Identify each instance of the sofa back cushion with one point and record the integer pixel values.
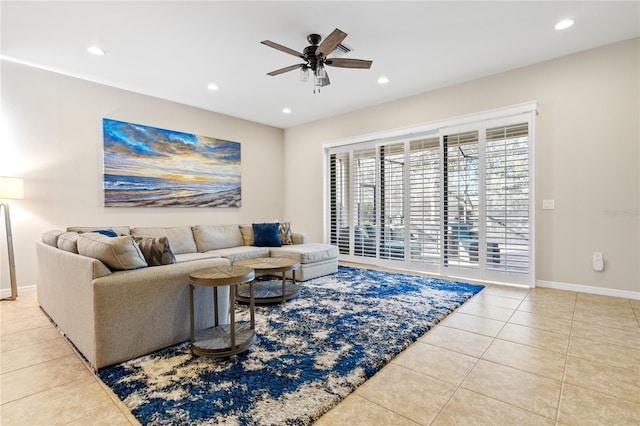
(214, 237)
(120, 230)
(247, 234)
(51, 237)
(180, 237)
(118, 253)
(68, 241)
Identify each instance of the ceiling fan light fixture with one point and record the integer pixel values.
(304, 74)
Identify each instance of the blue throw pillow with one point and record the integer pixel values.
(266, 235)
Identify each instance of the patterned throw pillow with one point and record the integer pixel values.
(285, 233)
(156, 251)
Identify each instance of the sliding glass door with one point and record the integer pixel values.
(456, 201)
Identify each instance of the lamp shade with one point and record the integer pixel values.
(11, 188)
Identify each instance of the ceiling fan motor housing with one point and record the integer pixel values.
(309, 54)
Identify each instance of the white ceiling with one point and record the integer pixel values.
(173, 49)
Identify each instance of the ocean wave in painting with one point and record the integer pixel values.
(136, 191)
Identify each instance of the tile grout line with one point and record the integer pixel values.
(566, 365)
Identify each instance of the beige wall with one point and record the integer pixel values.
(52, 137)
(587, 157)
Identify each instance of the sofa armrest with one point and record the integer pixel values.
(299, 238)
(65, 292)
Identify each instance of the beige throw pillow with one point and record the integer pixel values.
(116, 252)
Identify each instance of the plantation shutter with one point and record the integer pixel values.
(364, 202)
(339, 201)
(461, 207)
(392, 240)
(507, 198)
(424, 200)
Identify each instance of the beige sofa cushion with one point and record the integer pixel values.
(188, 257)
(213, 237)
(247, 234)
(306, 253)
(50, 238)
(116, 252)
(120, 230)
(68, 241)
(180, 237)
(241, 252)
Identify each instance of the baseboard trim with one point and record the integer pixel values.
(6, 292)
(589, 289)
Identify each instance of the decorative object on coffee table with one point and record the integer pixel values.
(223, 340)
(269, 292)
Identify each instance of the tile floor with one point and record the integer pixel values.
(508, 356)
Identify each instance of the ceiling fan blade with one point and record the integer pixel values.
(330, 43)
(348, 63)
(285, 69)
(282, 48)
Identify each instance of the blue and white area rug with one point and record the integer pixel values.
(310, 353)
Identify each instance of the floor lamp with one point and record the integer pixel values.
(10, 189)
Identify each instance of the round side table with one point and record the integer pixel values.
(223, 340)
(269, 292)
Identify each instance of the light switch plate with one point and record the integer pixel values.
(548, 204)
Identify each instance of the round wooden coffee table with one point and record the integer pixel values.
(223, 340)
(269, 292)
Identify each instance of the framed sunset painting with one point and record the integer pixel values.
(150, 167)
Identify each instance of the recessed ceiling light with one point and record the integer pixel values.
(286, 110)
(383, 80)
(564, 24)
(212, 86)
(95, 50)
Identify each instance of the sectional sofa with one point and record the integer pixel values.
(119, 292)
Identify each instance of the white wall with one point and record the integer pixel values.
(587, 157)
(52, 137)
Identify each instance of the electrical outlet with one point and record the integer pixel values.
(598, 261)
(548, 204)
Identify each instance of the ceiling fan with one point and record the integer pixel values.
(316, 57)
